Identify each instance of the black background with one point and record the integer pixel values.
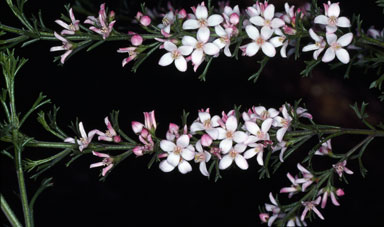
(92, 84)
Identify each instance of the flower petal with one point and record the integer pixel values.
(173, 159)
(189, 41)
(280, 133)
(250, 153)
(169, 46)
(185, 50)
(183, 141)
(329, 55)
(241, 162)
(342, 55)
(257, 20)
(220, 31)
(240, 137)
(310, 47)
(225, 162)
(181, 64)
(211, 49)
(321, 19)
(184, 167)
(166, 59)
(188, 154)
(191, 24)
(197, 56)
(203, 34)
(269, 12)
(201, 12)
(215, 20)
(268, 49)
(343, 22)
(203, 169)
(277, 23)
(346, 39)
(252, 32)
(231, 123)
(252, 49)
(252, 127)
(314, 36)
(226, 145)
(165, 166)
(167, 146)
(266, 125)
(259, 158)
(334, 10)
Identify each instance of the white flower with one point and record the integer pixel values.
(256, 148)
(331, 18)
(268, 20)
(336, 48)
(178, 154)
(311, 205)
(274, 208)
(225, 39)
(254, 129)
(202, 157)
(280, 40)
(202, 22)
(264, 114)
(207, 123)
(67, 46)
(167, 21)
(228, 134)
(318, 46)
(283, 122)
(201, 47)
(70, 29)
(175, 54)
(85, 139)
(234, 155)
(259, 41)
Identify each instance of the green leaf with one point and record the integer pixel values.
(142, 57)
(310, 65)
(203, 75)
(262, 63)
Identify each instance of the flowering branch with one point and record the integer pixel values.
(204, 34)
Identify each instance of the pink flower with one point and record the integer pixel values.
(311, 205)
(145, 21)
(225, 39)
(207, 123)
(294, 188)
(136, 40)
(69, 29)
(132, 54)
(331, 18)
(85, 139)
(202, 22)
(67, 46)
(167, 21)
(147, 143)
(175, 54)
(107, 161)
(330, 191)
(340, 168)
(325, 149)
(101, 25)
(264, 114)
(150, 120)
(110, 135)
(307, 179)
(256, 148)
(234, 154)
(283, 122)
(254, 129)
(228, 134)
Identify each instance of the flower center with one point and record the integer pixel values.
(224, 40)
(104, 30)
(267, 23)
(175, 54)
(177, 150)
(233, 153)
(83, 141)
(108, 133)
(259, 41)
(107, 161)
(285, 123)
(203, 22)
(336, 46)
(260, 135)
(332, 20)
(165, 21)
(207, 123)
(229, 134)
(200, 157)
(199, 45)
(264, 115)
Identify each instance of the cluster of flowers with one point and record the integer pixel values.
(274, 210)
(266, 29)
(102, 25)
(225, 138)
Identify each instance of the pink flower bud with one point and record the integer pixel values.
(173, 128)
(137, 127)
(149, 120)
(145, 21)
(144, 133)
(163, 155)
(264, 217)
(182, 14)
(139, 15)
(112, 15)
(206, 140)
(138, 151)
(136, 40)
(339, 192)
(117, 139)
(234, 18)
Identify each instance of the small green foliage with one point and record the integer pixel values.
(262, 63)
